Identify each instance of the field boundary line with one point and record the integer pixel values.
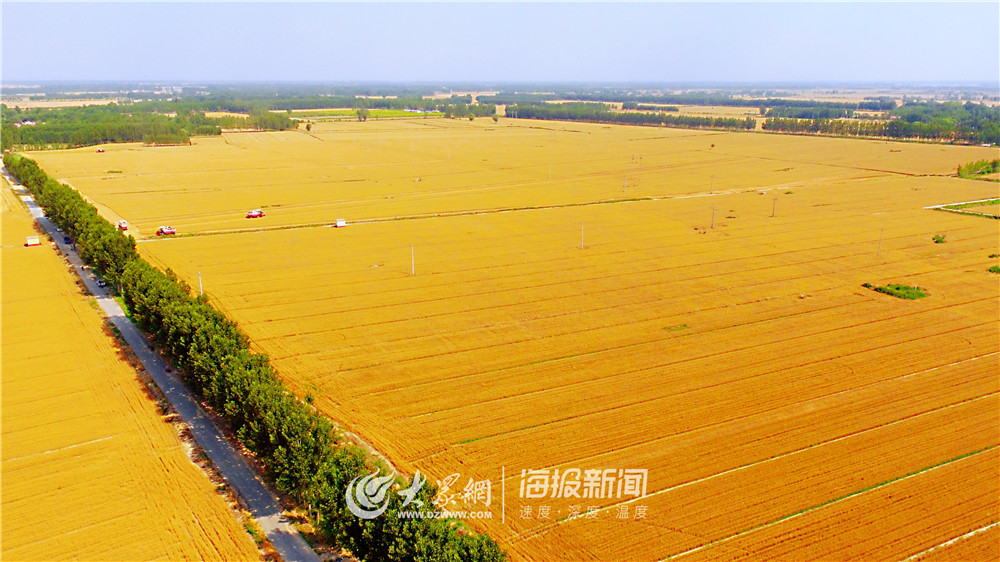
(952, 541)
(962, 211)
(962, 203)
(830, 502)
(464, 213)
(67, 447)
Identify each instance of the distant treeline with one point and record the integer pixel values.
(143, 122)
(630, 105)
(239, 104)
(949, 121)
(601, 113)
(302, 453)
(809, 112)
(690, 98)
(175, 121)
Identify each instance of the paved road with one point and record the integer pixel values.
(256, 496)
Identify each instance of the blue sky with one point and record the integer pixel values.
(648, 42)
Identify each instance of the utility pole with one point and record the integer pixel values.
(879, 251)
(581, 234)
(713, 218)
(413, 263)
(201, 289)
(774, 207)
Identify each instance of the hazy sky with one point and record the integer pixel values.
(741, 42)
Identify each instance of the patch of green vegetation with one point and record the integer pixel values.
(676, 328)
(113, 172)
(251, 528)
(899, 291)
(789, 192)
(994, 256)
(958, 206)
(938, 238)
(121, 302)
(995, 269)
(976, 170)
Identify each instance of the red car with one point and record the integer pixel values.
(164, 230)
(123, 224)
(255, 214)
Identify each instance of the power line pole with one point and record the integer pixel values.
(201, 289)
(774, 207)
(713, 218)
(879, 251)
(413, 263)
(581, 234)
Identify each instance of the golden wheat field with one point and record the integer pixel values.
(90, 471)
(548, 296)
